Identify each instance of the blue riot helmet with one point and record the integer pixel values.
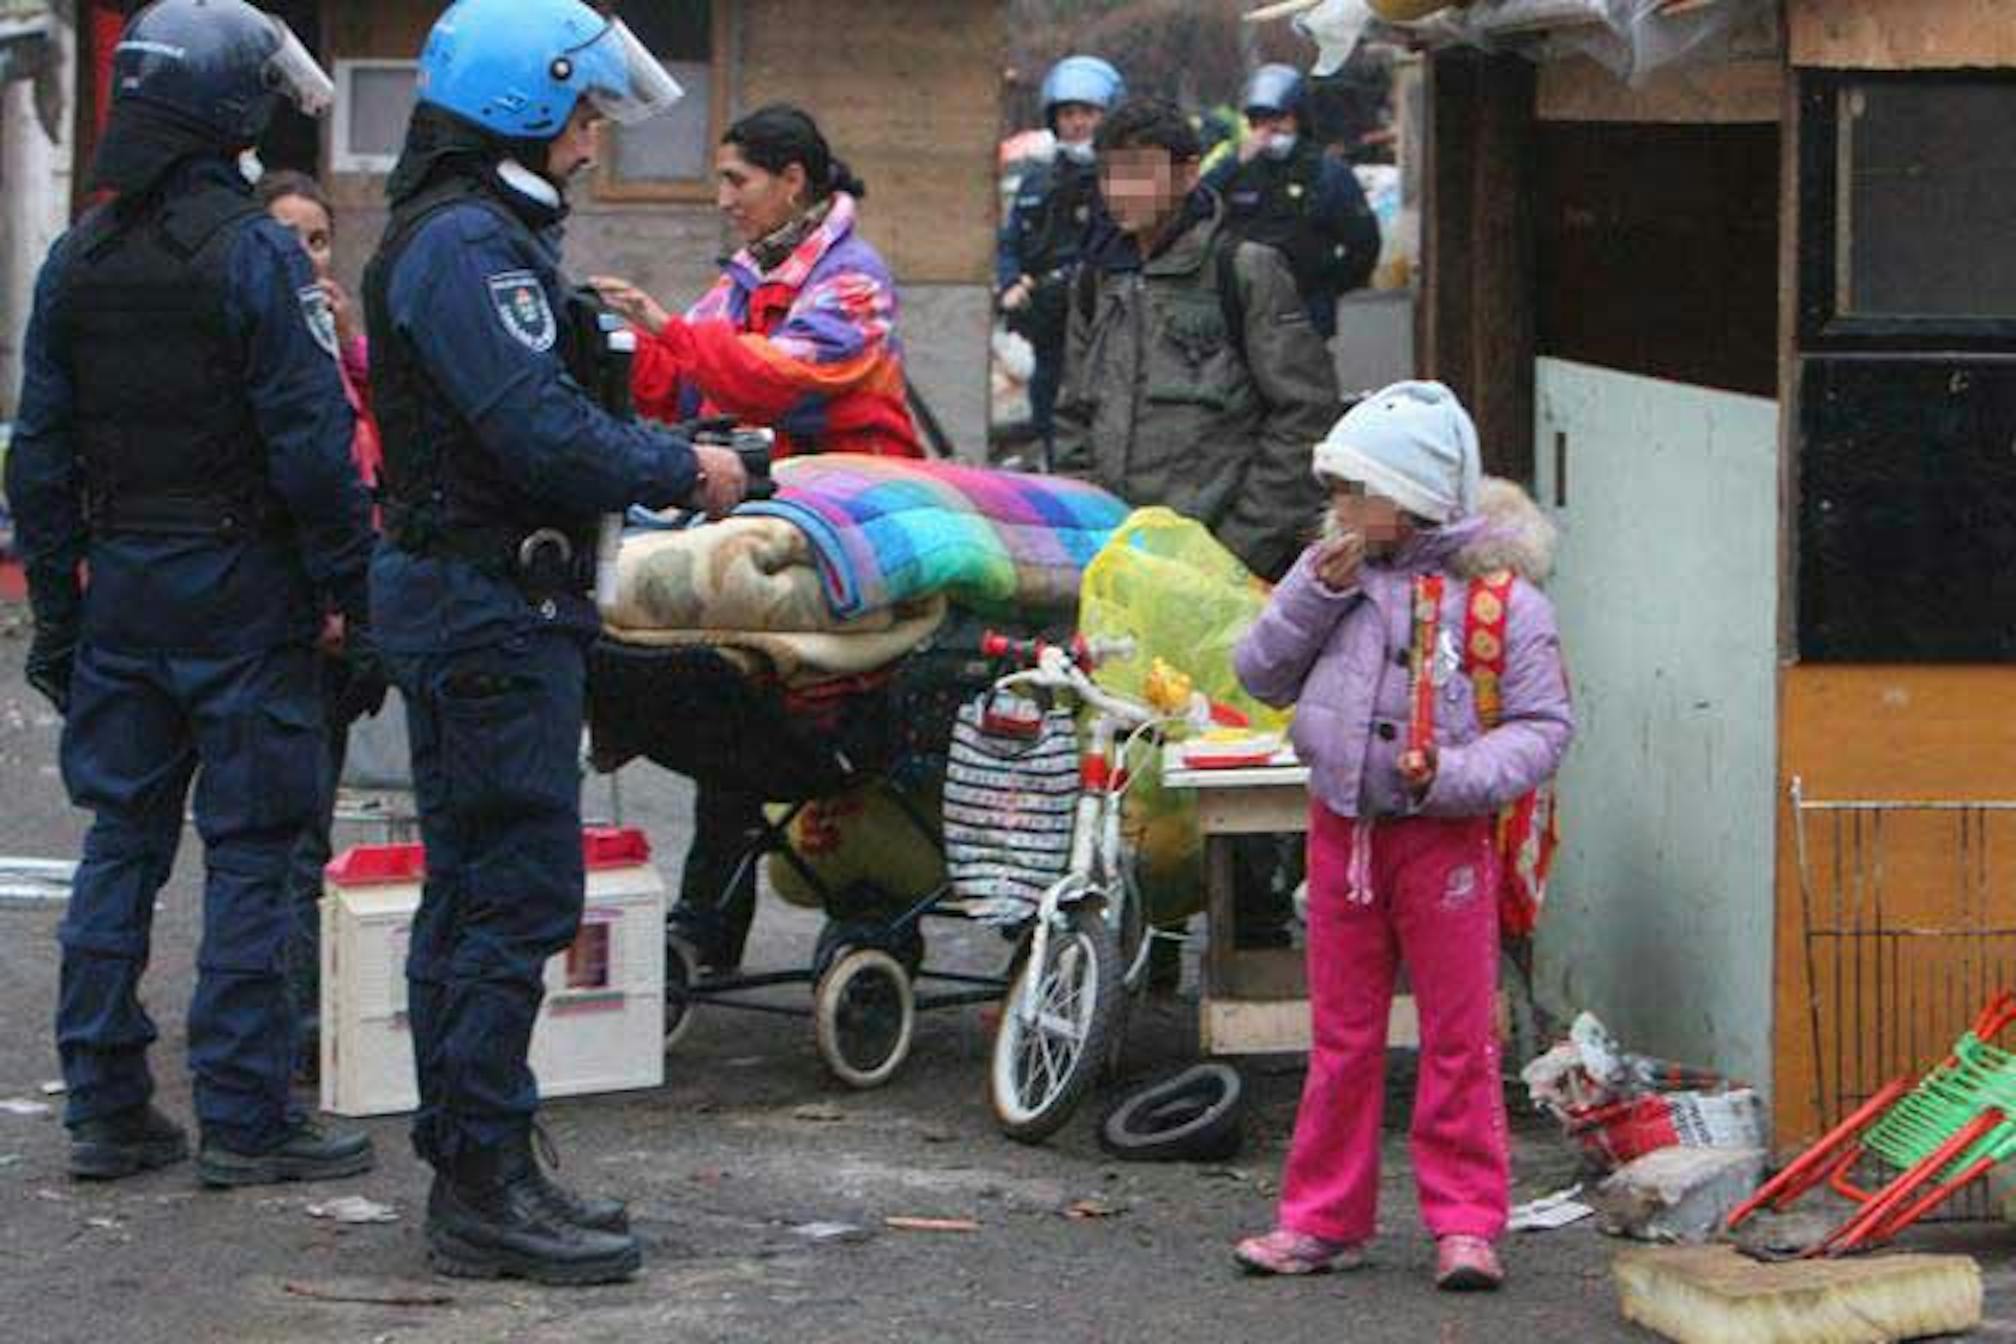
(220, 64)
(1274, 89)
(517, 67)
(1081, 79)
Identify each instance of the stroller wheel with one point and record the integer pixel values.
(864, 1014)
(682, 968)
(837, 937)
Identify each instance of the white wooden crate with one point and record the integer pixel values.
(601, 1028)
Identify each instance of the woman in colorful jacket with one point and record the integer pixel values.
(799, 336)
(799, 333)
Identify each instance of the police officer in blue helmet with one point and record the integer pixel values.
(497, 466)
(1056, 206)
(1284, 190)
(186, 504)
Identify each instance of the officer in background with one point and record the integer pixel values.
(1283, 190)
(497, 466)
(1044, 234)
(183, 488)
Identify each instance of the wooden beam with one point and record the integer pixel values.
(1901, 34)
(1478, 251)
(1580, 89)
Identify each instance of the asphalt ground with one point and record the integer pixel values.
(747, 1144)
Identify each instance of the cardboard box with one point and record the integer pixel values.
(601, 1028)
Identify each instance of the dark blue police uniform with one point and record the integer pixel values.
(497, 466)
(184, 435)
(1310, 207)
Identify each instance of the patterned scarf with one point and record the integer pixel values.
(774, 248)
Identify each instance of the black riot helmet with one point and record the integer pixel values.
(216, 65)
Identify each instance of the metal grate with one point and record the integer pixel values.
(1908, 928)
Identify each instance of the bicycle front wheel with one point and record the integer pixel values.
(1046, 1060)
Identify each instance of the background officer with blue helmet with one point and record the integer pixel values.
(497, 465)
(184, 440)
(1283, 190)
(1055, 206)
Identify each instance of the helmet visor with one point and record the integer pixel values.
(626, 83)
(292, 72)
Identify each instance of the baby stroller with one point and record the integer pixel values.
(1078, 933)
(693, 711)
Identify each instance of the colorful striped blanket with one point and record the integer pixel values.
(886, 530)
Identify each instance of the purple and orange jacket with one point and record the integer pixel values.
(809, 350)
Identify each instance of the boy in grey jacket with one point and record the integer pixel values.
(1193, 376)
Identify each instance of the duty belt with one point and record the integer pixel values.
(224, 517)
(544, 562)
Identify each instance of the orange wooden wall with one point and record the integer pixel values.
(1930, 897)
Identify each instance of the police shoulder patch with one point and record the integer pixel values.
(320, 317)
(520, 303)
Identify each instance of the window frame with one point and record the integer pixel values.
(608, 186)
(342, 157)
(1822, 327)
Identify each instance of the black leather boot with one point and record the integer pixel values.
(489, 1217)
(125, 1144)
(306, 1153)
(591, 1211)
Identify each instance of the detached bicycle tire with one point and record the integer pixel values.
(1197, 1115)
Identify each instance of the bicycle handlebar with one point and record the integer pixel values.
(1080, 652)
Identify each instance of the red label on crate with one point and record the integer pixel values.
(602, 848)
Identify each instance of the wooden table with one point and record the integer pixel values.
(1254, 1001)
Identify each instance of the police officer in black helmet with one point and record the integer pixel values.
(184, 497)
(1284, 190)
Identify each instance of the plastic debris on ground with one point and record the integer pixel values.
(28, 881)
(354, 1209)
(1677, 1194)
(23, 1106)
(1619, 1106)
(830, 1233)
(1548, 1212)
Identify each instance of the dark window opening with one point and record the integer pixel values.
(1657, 250)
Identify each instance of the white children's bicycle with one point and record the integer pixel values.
(1085, 949)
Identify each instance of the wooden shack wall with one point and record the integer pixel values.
(1901, 34)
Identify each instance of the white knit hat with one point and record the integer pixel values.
(1411, 442)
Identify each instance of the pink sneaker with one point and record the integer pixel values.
(1284, 1251)
(1466, 1265)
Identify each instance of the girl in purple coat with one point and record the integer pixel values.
(1403, 863)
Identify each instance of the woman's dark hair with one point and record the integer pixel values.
(1141, 122)
(779, 135)
(287, 182)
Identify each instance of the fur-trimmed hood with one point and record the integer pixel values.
(1516, 535)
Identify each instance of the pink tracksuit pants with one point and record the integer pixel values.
(1432, 904)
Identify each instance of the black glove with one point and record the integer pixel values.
(364, 679)
(52, 656)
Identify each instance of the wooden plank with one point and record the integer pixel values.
(1279, 1027)
(1901, 34)
(1478, 252)
(1263, 811)
(1220, 913)
(1579, 89)
(1937, 908)
(387, 29)
(1715, 1295)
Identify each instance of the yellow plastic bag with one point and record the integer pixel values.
(1164, 581)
